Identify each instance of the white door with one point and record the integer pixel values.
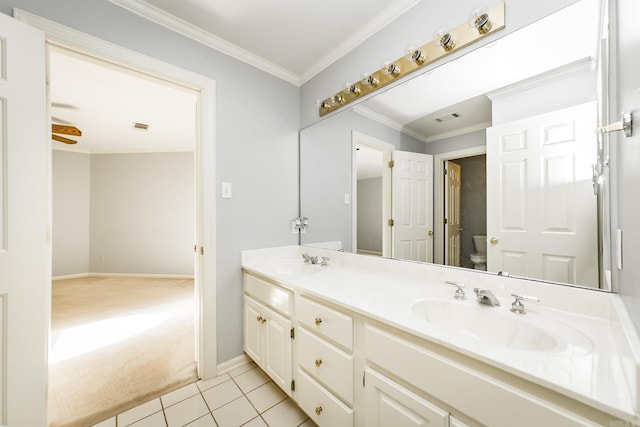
(253, 326)
(25, 253)
(541, 209)
(452, 213)
(412, 200)
(389, 404)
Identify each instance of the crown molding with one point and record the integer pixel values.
(367, 30)
(160, 17)
(363, 111)
(384, 120)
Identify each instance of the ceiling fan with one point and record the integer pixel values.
(64, 130)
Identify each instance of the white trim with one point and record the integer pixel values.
(205, 273)
(438, 190)
(167, 20)
(386, 121)
(81, 150)
(560, 73)
(160, 17)
(387, 149)
(133, 275)
(234, 363)
(364, 32)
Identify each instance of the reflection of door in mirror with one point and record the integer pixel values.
(452, 225)
(412, 206)
(542, 221)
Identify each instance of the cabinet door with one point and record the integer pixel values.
(252, 328)
(278, 349)
(389, 404)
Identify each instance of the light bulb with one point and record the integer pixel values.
(390, 68)
(351, 89)
(369, 80)
(479, 19)
(443, 38)
(416, 55)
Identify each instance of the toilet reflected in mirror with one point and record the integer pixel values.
(479, 257)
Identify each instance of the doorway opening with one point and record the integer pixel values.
(454, 243)
(124, 209)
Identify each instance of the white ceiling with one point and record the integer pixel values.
(104, 101)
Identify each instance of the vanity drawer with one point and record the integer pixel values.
(325, 321)
(326, 363)
(272, 295)
(320, 404)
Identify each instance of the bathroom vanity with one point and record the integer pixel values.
(368, 341)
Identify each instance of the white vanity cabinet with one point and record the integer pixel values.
(267, 332)
(324, 363)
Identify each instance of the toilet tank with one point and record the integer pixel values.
(480, 243)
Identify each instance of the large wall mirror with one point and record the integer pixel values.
(492, 160)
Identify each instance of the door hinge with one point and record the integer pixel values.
(390, 223)
(195, 249)
(445, 221)
(293, 385)
(201, 250)
(445, 172)
(391, 163)
(293, 333)
(363, 374)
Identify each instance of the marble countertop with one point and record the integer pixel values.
(593, 359)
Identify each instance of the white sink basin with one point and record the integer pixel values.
(291, 269)
(500, 327)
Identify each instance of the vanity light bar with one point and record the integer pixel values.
(459, 37)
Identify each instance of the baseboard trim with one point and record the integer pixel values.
(149, 276)
(233, 363)
(69, 276)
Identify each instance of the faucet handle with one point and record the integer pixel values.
(459, 293)
(324, 260)
(517, 306)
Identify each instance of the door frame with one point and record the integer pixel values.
(387, 149)
(438, 183)
(205, 267)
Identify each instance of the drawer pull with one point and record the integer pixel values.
(261, 319)
(318, 410)
(317, 321)
(318, 362)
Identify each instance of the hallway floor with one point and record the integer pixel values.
(244, 396)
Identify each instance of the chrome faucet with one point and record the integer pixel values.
(315, 260)
(485, 296)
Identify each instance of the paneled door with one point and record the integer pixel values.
(412, 201)
(541, 208)
(452, 225)
(25, 254)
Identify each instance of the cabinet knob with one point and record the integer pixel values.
(261, 319)
(318, 362)
(318, 410)
(317, 321)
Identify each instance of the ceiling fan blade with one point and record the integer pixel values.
(63, 139)
(60, 121)
(66, 130)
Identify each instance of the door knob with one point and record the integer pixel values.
(494, 241)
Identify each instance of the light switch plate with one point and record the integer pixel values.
(226, 190)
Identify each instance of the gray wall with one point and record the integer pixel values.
(369, 232)
(123, 213)
(142, 213)
(459, 142)
(71, 215)
(257, 121)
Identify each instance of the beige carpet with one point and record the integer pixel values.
(117, 343)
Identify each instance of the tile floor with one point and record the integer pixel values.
(244, 396)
